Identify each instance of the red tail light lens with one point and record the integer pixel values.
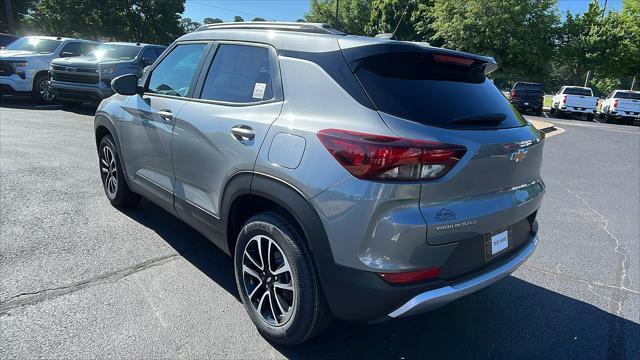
(615, 103)
(412, 276)
(456, 60)
(378, 157)
(564, 99)
(512, 94)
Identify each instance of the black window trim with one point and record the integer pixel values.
(278, 92)
(196, 75)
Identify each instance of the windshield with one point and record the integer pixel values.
(577, 91)
(36, 45)
(114, 52)
(628, 95)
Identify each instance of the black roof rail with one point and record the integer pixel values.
(314, 28)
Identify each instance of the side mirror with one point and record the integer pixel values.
(66, 54)
(125, 84)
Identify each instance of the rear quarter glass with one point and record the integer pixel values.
(414, 86)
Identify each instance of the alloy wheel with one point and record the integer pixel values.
(268, 280)
(46, 94)
(109, 172)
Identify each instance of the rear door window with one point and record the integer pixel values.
(420, 87)
(239, 74)
(174, 74)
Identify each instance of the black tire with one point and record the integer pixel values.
(38, 93)
(539, 112)
(307, 312)
(590, 117)
(118, 193)
(552, 111)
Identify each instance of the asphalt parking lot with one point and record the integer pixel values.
(80, 279)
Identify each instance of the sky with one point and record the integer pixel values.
(291, 10)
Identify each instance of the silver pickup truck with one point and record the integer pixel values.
(88, 78)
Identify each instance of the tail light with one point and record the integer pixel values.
(378, 157)
(564, 99)
(615, 103)
(512, 94)
(411, 276)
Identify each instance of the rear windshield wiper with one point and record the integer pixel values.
(481, 119)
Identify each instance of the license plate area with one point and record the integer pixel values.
(497, 243)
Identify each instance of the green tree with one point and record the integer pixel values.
(189, 25)
(209, 20)
(519, 34)
(238, 19)
(19, 9)
(353, 15)
(386, 15)
(154, 21)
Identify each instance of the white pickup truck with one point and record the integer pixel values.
(621, 105)
(575, 100)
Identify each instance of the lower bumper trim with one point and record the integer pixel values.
(436, 298)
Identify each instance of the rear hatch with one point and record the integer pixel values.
(433, 94)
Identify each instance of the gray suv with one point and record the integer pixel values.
(88, 77)
(350, 177)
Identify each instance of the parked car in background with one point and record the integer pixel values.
(24, 64)
(621, 105)
(314, 160)
(575, 100)
(527, 96)
(6, 39)
(88, 77)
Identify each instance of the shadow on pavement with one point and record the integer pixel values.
(189, 243)
(511, 319)
(27, 104)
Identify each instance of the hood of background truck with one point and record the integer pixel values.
(84, 61)
(20, 54)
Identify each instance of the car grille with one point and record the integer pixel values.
(76, 78)
(75, 69)
(6, 69)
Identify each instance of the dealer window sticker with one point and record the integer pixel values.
(258, 90)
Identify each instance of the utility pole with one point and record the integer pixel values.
(337, 19)
(7, 10)
(586, 81)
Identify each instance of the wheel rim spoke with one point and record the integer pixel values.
(269, 279)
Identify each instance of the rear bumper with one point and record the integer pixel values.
(362, 296)
(433, 299)
(571, 109)
(523, 105)
(77, 92)
(625, 114)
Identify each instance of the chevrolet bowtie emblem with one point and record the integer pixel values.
(519, 155)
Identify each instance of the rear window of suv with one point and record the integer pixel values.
(528, 87)
(577, 91)
(414, 86)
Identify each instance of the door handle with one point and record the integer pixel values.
(243, 132)
(165, 115)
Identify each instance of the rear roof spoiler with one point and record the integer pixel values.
(355, 52)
